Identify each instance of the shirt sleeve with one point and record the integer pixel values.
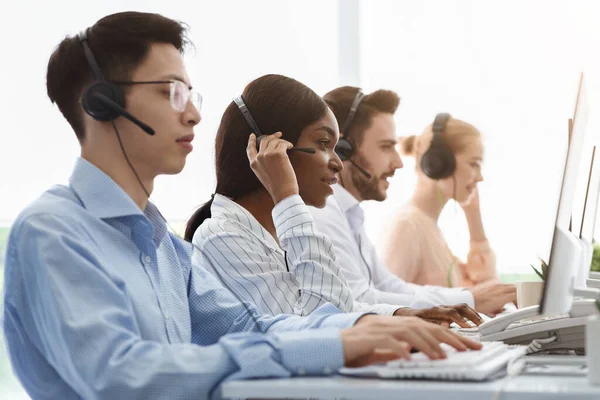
(215, 311)
(80, 319)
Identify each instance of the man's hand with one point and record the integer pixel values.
(272, 166)
(444, 315)
(376, 338)
(491, 296)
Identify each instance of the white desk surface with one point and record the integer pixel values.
(523, 387)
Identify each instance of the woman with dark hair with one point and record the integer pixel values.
(257, 234)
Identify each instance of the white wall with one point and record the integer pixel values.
(236, 41)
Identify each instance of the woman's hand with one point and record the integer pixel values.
(272, 166)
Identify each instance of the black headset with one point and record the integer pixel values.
(344, 147)
(438, 161)
(104, 100)
(239, 101)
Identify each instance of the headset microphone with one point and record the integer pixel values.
(239, 101)
(112, 106)
(358, 167)
(306, 150)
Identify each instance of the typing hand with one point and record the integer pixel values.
(444, 315)
(272, 166)
(376, 338)
(490, 297)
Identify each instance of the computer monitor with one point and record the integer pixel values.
(586, 191)
(566, 250)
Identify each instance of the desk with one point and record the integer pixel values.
(523, 387)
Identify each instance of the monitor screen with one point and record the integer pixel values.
(566, 250)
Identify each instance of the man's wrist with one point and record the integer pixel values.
(404, 312)
(365, 318)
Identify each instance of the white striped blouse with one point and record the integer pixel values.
(295, 278)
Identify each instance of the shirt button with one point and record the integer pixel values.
(147, 259)
(301, 371)
(327, 371)
(166, 316)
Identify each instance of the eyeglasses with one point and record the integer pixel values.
(179, 93)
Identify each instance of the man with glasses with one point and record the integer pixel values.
(101, 301)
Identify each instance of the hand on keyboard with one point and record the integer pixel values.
(467, 365)
(460, 314)
(377, 338)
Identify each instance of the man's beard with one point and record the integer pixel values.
(369, 189)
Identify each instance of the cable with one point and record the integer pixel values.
(175, 233)
(513, 368)
(537, 344)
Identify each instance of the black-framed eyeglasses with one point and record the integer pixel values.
(179, 95)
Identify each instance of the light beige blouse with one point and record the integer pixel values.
(414, 248)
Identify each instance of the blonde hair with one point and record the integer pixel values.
(457, 135)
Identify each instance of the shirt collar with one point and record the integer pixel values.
(105, 199)
(100, 195)
(350, 206)
(225, 208)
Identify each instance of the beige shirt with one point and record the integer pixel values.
(414, 248)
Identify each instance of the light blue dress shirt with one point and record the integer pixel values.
(102, 302)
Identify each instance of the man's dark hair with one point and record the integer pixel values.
(120, 43)
(340, 100)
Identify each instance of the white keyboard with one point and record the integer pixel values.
(470, 365)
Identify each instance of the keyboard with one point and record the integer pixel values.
(471, 365)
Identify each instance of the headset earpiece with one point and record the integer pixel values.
(344, 149)
(438, 162)
(90, 102)
(98, 109)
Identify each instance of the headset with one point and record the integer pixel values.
(239, 101)
(104, 100)
(344, 147)
(438, 162)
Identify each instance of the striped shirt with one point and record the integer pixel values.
(295, 278)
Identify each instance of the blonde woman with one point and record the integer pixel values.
(448, 156)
